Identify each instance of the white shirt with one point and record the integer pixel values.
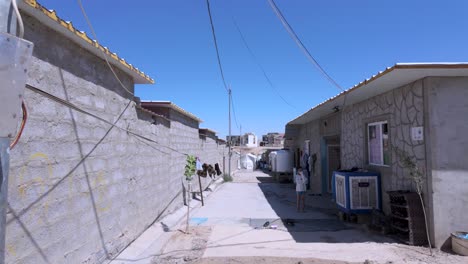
(301, 182)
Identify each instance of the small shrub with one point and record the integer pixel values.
(227, 177)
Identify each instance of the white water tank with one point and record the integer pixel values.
(284, 161)
(272, 160)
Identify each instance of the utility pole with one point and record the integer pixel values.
(230, 135)
(15, 55)
(241, 141)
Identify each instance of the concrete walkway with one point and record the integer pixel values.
(230, 229)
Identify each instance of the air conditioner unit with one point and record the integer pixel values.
(357, 192)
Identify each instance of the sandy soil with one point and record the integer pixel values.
(266, 260)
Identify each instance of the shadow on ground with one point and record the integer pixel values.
(319, 222)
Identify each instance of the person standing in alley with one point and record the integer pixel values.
(301, 183)
(305, 166)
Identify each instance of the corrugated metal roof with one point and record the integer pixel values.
(392, 77)
(52, 20)
(167, 104)
(208, 130)
(150, 112)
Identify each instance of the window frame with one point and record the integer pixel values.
(382, 159)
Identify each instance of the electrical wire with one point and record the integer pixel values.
(254, 58)
(23, 124)
(103, 53)
(294, 36)
(216, 45)
(74, 107)
(18, 18)
(233, 109)
(301, 45)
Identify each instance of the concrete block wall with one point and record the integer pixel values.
(62, 210)
(447, 106)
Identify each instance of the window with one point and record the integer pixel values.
(377, 142)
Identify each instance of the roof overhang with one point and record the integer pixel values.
(66, 28)
(170, 105)
(207, 130)
(393, 77)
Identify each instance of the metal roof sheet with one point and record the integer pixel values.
(392, 77)
(52, 20)
(168, 104)
(208, 130)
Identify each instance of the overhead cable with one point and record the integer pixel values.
(216, 45)
(301, 45)
(103, 53)
(233, 109)
(254, 58)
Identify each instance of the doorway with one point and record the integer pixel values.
(330, 160)
(334, 162)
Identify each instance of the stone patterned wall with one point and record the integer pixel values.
(62, 210)
(403, 109)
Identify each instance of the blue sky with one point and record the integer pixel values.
(171, 41)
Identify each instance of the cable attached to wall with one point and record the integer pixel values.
(23, 124)
(74, 107)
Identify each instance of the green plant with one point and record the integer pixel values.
(190, 167)
(418, 177)
(227, 177)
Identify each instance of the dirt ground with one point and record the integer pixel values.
(189, 248)
(266, 260)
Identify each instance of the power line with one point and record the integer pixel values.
(103, 54)
(74, 107)
(301, 45)
(254, 58)
(216, 45)
(233, 110)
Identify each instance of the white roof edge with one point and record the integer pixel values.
(449, 66)
(176, 108)
(138, 76)
(430, 63)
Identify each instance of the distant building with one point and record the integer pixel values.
(249, 140)
(233, 140)
(273, 139)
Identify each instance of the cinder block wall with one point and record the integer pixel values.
(62, 210)
(445, 136)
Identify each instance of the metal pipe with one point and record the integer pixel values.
(7, 17)
(7, 25)
(4, 168)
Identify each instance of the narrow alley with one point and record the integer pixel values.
(253, 219)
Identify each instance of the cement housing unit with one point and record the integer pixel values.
(421, 108)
